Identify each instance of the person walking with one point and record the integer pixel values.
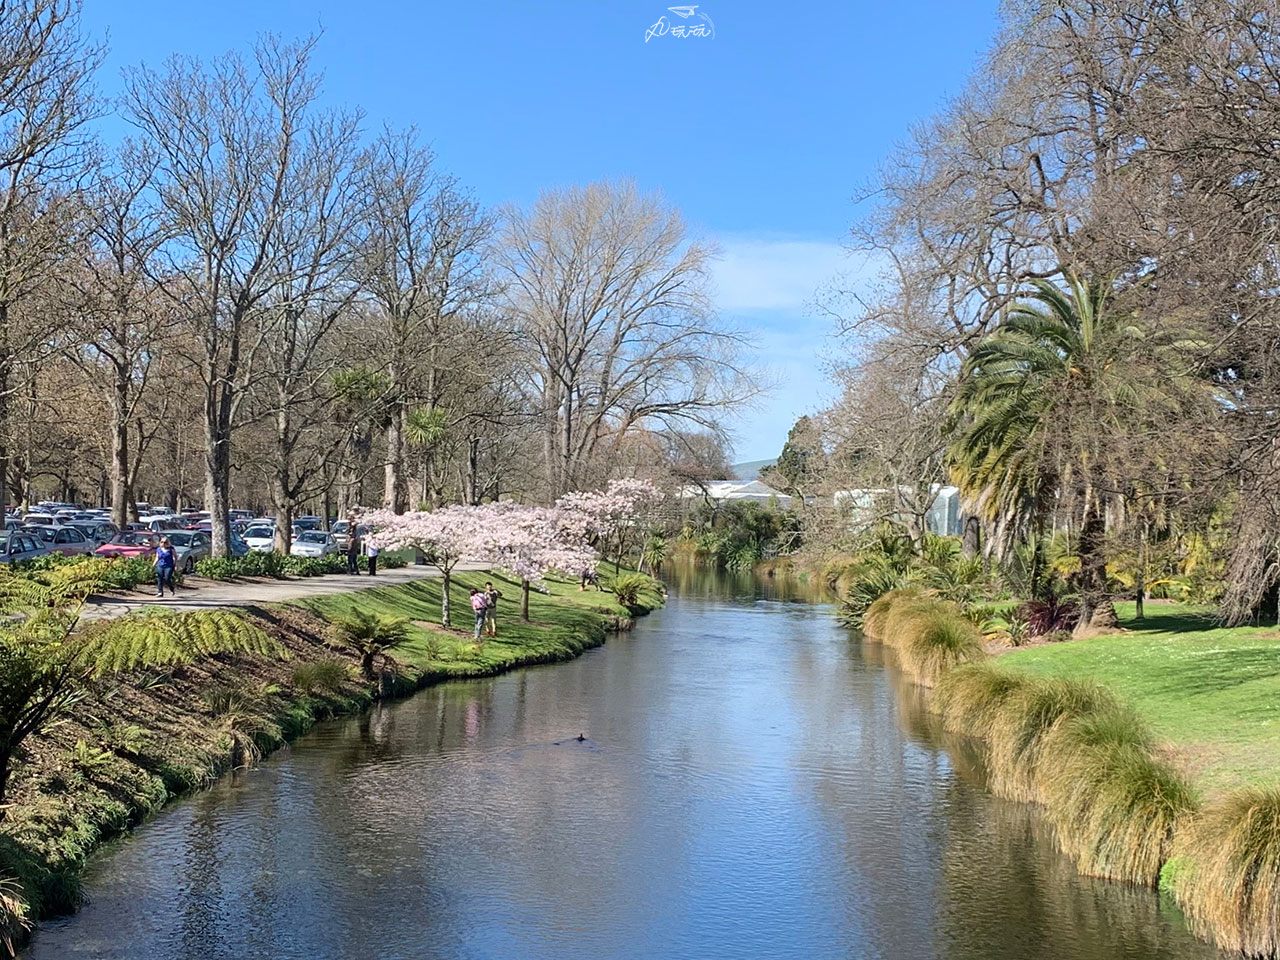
(491, 598)
(353, 547)
(166, 562)
(373, 560)
(479, 606)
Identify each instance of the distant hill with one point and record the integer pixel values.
(749, 470)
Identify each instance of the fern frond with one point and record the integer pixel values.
(159, 639)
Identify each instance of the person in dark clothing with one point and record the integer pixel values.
(373, 560)
(353, 547)
(491, 598)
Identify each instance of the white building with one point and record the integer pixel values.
(722, 491)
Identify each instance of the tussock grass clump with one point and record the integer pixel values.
(1027, 721)
(1114, 805)
(969, 697)
(875, 620)
(325, 675)
(935, 640)
(1231, 887)
(904, 616)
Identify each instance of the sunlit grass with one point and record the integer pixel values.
(562, 622)
(1211, 693)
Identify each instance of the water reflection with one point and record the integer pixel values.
(755, 784)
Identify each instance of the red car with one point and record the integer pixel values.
(129, 543)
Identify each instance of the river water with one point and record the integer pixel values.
(755, 783)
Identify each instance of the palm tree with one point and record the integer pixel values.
(371, 635)
(1038, 405)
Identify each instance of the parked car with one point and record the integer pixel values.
(162, 524)
(17, 545)
(239, 514)
(309, 523)
(314, 543)
(260, 538)
(66, 540)
(129, 543)
(35, 517)
(191, 546)
(342, 536)
(99, 531)
(238, 547)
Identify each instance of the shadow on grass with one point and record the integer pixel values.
(1169, 622)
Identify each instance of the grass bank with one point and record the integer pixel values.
(140, 740)
(1148, 750)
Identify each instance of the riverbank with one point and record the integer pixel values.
(1145, 748)
(124, 752)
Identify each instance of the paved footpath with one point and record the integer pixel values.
(200, 594)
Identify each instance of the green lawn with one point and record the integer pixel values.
(560, 625)
(1212, 693)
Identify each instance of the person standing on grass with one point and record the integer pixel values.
(491, 598)
(373, 560)
(479, 606)
(166, 562)
(353, 547)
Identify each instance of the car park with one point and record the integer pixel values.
(190, 547)
(314, 543)
(260, 538)
(342, 536)
(17, 545)
(67, 540)
(99, 531)
(129, 543)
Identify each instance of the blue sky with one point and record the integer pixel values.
(761, 135)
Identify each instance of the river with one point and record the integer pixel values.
(755, 783)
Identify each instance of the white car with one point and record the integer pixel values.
(314, 543)
(260, 538)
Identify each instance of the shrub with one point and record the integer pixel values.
(389, 561)
(935, 639)
(1054, 615)
(218, 568)
(970, 696)
(314, 566)
(1026, 720)
(636, 591)
(1114, 805)
(256, 564)
(1230, 886)
(326, 675)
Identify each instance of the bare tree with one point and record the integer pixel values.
(422, 267)
(120, 317)
(227, 140)
(46, 68)
(609, 295)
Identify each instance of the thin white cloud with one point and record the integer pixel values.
(759, 274)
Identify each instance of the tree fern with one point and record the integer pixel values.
(163, 638)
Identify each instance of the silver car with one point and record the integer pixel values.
(190, 547)
(18, 545)
(67, 540)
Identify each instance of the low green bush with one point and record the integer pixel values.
(326, 675)
(219, 568)
(314, 566)
(637, 591)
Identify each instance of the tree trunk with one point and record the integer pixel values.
(471, 486)
(281, 496)
(395, 493)
(218, 474)
(1097, 612)
(446, 581)
(524, 600)
(120, 489)
(971, 541)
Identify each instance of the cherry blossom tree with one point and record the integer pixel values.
(445, 537)
(530, 542)
(601, 517)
